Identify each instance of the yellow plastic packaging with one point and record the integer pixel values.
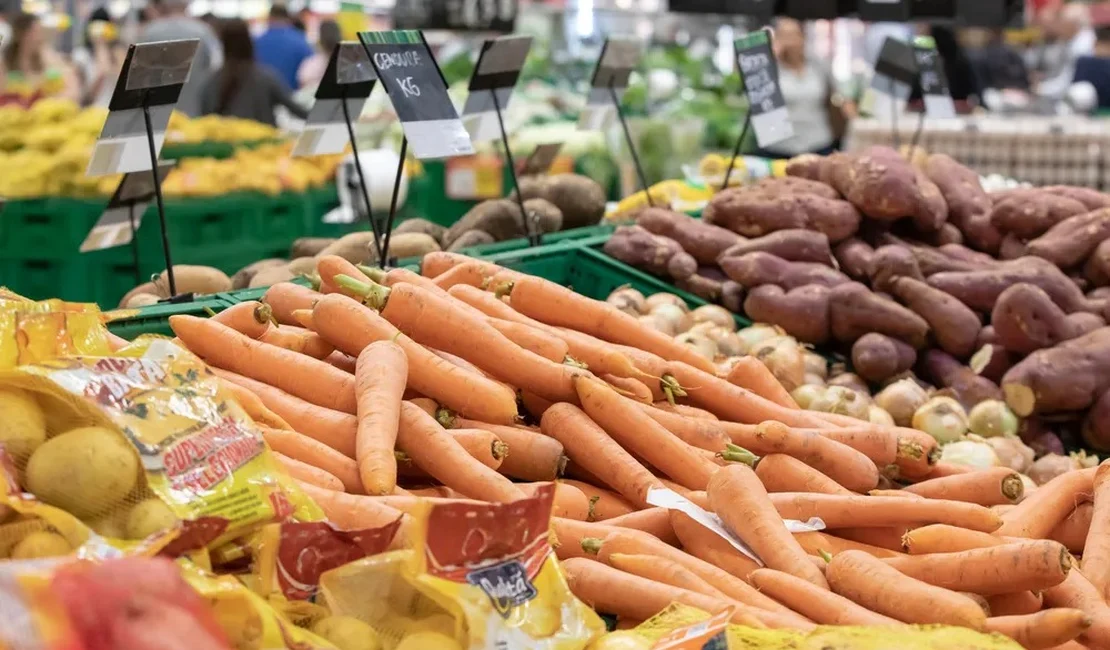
(676, 195)
(31, 332)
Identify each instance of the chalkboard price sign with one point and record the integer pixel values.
(406, 68)
(884, 10)
(759, 73)
(934, 85)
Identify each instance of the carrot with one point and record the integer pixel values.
(334, 429)
(888, 537)
(1028, 565)
(254, 406)
(590, 446)
(343, 361)
(894, 493)
(116, 342)
(474, 274)
(942, 538)
(251, 318)
(603, 504)
(736, 404)
(739, 499)
(555, 305)
(483, 446)
(351, 327)
(304, 319)
(355, 512)
(1072, 532)
(699, 433)
(942, 470)
(631, 388)
(872, 583)
(569, 537)
(782, 473)
(988, 487)
(653, 521)
(310, 379)
(286, 297)
(317, 454)
(439, 454)
(1037, 515)
(380, 375)
(535, 341)
(297, 339)
(437, 263)
(1096, 548)
(702, 543)
(465, 365)
(1016, 604)
(1042, 630)
(535, 405)
(570, 502)
(664, 571)
(686, 410)
(615, 592)
(394, 276)
(820, 605)
(881, 446)
(850, 511)
(309, 473)
(531, 457)
(751, 373)
(816, 543)
(1077, 592)
(437, 322)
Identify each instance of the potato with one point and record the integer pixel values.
(793, 245)
(1097, 268)
(1026, 320)
(980, 289)
(23, 424)
(309, 246)
(1067, 377)
(1072, 240)
(755, 269)
(470, 238)
(142, 300)
(148, 517)
(802, 313)
(84, 471)
(955, 326)
(854, 311)
(347, 633)
(300, 266)
(702, 286)
(704, 241)
(807, 165)
(274, 275)
(753, 214)
(637, 247)
(189, 278)
(407, 245)
(854, 257)
(961, 187)
(891, 262)
(944, 371)
(41, 544)
(354, 247)
(242, 277)
(1091, 198)
(499, 217)
(877, 358)
(422, 226)
(144, 288)
(1029, 214)
(580, 199)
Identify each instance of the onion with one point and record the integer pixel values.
(783, 357)
(673, 315)
(876, 415)
(1046, 468)
(851, 380)
(728, 343)
(816, 364)
(969, 453)
(725, 366)
(659, 324)
(806, 394)
(715, 314)
(657, 299)
(628, 300)
(942, 418)
(992, 418)
(812, 379)
(1012, 452)
(842, 401)
(902, 399)
(701, 343)
(1047, 443)
(756, 334)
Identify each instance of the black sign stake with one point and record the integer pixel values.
(631, 146)
(894, 125)
(383, 258)
(134, 242)
(158, 196)
(362, 176)
(736, 149)
(529, 230)
(619, 57)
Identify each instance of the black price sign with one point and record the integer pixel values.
(342, 93)
(934, 84)
(895, 74)
(762, 10)
(815, 10)
(124, 213)
(408, 71)
(986, 13)
(619, 57)
(457, 15)
(759, 73)
(491, 85)
(541, 159)
(884, 10)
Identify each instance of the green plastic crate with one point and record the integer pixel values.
(155, 319)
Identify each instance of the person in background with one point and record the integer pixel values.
(1095, 69)
(99, 59)
(1070, 37)
(243, 87)
(313, 68)
(283, 47)
(170, 22)
(996, 64)
(817, 112)
(30, 70)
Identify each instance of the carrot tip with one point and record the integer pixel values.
(591, 545)
(445, 417)
(503, 290)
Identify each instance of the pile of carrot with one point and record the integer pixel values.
(383, 391)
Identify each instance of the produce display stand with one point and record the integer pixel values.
(155, 319)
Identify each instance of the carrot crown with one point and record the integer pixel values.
(372, 272)
(591, 545)
(373, 295)
(737, 454)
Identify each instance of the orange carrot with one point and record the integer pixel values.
(310, 379)
(297, 339)
(632, 388)
(782, 473)
(1096, 548)
(872, 583)
(653, 521)
(353, 511)
(849, 511)
(687, 411)
(254, 406)
(843, 464)
(535, 405)
(603, 504)
(380, 377)
(329, 266)
(736, 404)
(555, 305)
(820, 605)
(351, 327)
(751, 373)
(334, 429)
(437, 263)
(816, 543)
(699, 433)
(439, 454)
(569, 537)
(1043, 630)
(1051, 503)
(343, 361)
(317, 454)
(697, 497)
(570, 502)
(1077, 592)
(535, 341)
(665, 571)
(1027, 565)
(942, 470)
(894, 493)
(881, 446)
(988, 487)
(531, 457)
(483, 446)
(473, 274)
(284, 298)
(888, 537)
(251, 318)
(942, 538)
(740, 500)
(1072, 532)
(394, 276)
(591, 447)
(309, 473)
(1016, 604)
(704, 544)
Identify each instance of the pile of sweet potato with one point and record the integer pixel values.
(912, 268)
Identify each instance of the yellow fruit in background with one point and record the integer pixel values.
(428, 641)
(22, 423)
(84, 471)
(41, 544)
(348, 633)
(622, 640)
(148, 517)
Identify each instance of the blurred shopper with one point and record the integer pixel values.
(997, 64)
(243, 87)
(817, 112)
(170, 22)
(1069, 36)
(99, 58)
(1095, 69)
(313, 68)
(30, 70)
(283, 47)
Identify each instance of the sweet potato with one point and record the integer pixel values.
(704, 241)
(884, 186)
(945, 371)
(955, 326)
(1072, 240)
(774, 186)
(1097, 268)
(932, 260)
(961, 187)
(854, 311)
(876, 357)
(807, 165)
(1067, 377)
(965, 254)
(836, 171)
(991, 361)
(947, 234)
(470, 238)
(802, 313)
(732, 296)
(1096, 425)
(980, 289)
(755, 269)
(793, 245)
(636, 246)
(702, 286)
(854, 256)
(980, 233)
(932, 210)
(891, 262)
(987, 336)
(681, 265)
(1030, 214)
(1011, 247)
(1026, 320)
(424, 226)
(1091, 198)
(753, 214)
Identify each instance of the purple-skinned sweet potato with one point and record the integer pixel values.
(793, 185)
(793, 245)
(932, 211)
(992, 361)
(1092, 198)
(1030, 214)
(1070, 376)
(1071, 241)
(836, 171)
(754, 214)
(965, 254)
(854, 256)
(807, 165)
(702, 240)
(932, 260)
(960, 185)
(1026, 320)
(890, 262)
(886, 187)
(702, 286)
(980, 289)
(802, 313)
(637, 247)
(980, 233)
(955, 326)
(1011, 247)
(732, 296)
(945, 371)
(1097, 267)
(1096, 426)
(681, 266)
(756, 269)
(877, 358)
(854, 310)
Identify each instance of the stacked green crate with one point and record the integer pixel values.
(155, 319)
